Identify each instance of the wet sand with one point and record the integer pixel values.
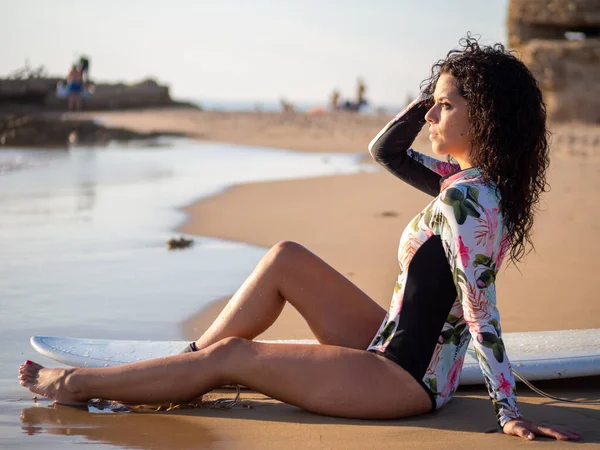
(354, 223)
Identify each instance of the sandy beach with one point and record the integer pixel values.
(354, 223)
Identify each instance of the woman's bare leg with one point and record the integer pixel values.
(337, 312)
(329, 380)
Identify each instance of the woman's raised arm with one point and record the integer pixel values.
(391, 149)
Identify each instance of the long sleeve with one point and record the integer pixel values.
(391, 149)
(475, 246)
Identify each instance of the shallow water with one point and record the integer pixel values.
(82, 239)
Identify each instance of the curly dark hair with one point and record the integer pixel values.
(507, 121)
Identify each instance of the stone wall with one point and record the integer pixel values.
(559, 40)
(40, 93)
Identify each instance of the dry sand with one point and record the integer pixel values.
(354, 223)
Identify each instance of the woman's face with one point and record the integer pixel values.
(448, 121)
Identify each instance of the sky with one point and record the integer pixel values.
(250, 50)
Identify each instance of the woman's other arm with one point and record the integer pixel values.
(468, 226)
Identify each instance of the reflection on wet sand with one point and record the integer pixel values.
(144, 431)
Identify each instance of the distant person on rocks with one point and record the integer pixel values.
(75, 87)
(335, 100)
(361, 88)
(361, 101)
(84, 66)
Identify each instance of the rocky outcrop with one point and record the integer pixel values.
(18, 130)
(39, 94)
(559, 40)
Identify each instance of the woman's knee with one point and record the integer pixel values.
(231, 344)
(229, 354)
(288, 248)
(287, 251)
(229, 348)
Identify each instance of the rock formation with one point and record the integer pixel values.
(39, 94)
(18, 130)
(559, 40)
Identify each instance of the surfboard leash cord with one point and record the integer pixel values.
(550, 396)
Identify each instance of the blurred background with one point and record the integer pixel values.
(151, 152)
(239, 54)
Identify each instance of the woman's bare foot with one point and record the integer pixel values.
(50, 383)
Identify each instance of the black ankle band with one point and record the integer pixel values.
(190, 348)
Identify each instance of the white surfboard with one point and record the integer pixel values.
(541, 355)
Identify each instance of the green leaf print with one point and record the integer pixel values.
(496, 325)
(498, 351)
(432, 383)
(457, 333)
(473, 194)
(447, 334)
(438, 224)
(462, 207)
(501, 345)
(486, 278)
(453, 334)
(415, 223)
(428, 214)
(483, 260)
(482, 361)
(387, 331)
(460, 213)
(397, 288)
(453, 195)
(489, 339)
(459, 278)
(460, 275)
(451, 319)
(471, 211)
(499, 404)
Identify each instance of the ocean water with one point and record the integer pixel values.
(82, 252)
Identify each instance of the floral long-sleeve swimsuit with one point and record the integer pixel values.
(449, 255)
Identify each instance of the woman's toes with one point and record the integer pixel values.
(30, 368)
(33, 366)
(25, 374)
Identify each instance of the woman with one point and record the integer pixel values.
(484, 109)
(74, 87)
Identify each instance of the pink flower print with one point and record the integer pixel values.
(463, 252)
(504, 246)
(492, 228)
(493, 219)
(479, 337)
(443, 168)
(452, 380)
(504, 385)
